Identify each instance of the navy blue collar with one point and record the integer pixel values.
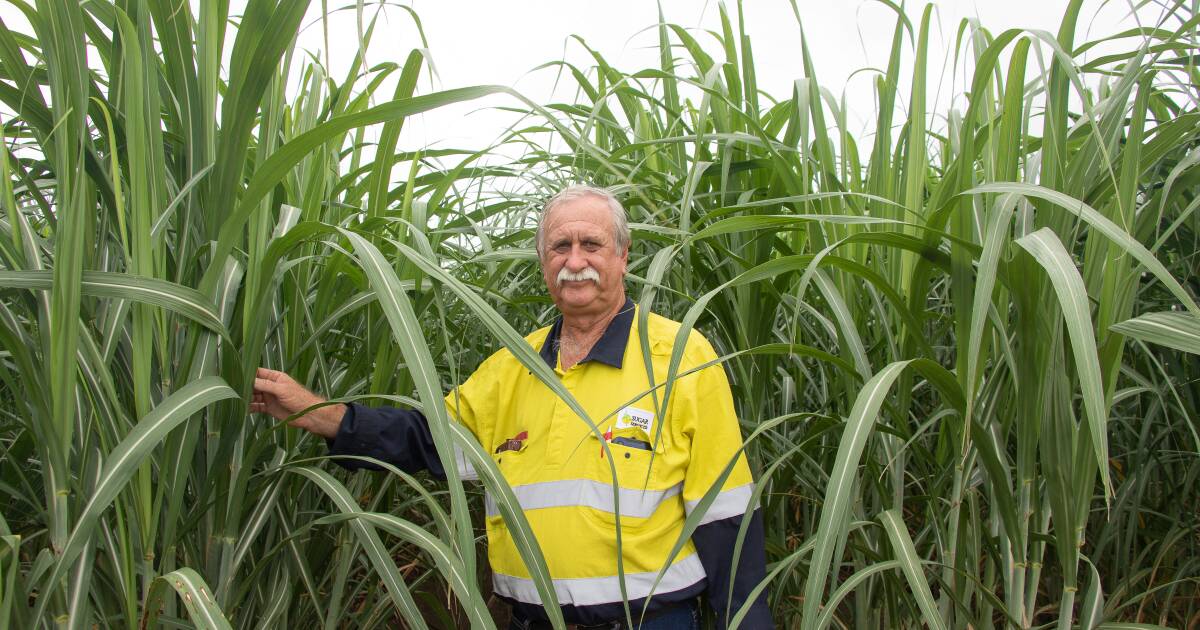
(609, 349)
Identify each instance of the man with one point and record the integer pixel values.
(556, 465)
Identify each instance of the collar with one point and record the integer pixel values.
(609, 348)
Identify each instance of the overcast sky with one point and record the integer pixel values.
(483, 42)
(473, 42)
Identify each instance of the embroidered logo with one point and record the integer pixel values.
(515, 443)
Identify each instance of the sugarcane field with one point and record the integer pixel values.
(629, 315)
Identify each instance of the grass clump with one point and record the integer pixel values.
(964, 355)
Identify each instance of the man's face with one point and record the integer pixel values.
(579, 244)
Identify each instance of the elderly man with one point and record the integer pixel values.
(556, 466)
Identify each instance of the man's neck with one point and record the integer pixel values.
(580, 332)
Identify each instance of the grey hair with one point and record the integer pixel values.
(621, 238)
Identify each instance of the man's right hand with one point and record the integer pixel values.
(280, 396)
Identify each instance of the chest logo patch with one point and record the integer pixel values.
(515, 443)
(634, 418)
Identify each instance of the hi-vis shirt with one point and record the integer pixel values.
(665, 458)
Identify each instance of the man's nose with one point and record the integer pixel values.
(576, 261)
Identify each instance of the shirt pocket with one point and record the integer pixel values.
(514, 460)
(638, 489)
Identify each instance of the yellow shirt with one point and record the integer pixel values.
(665, 460)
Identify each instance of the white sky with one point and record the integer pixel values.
(480, 42)
(473, 42)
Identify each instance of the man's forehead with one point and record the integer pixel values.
(583, 214)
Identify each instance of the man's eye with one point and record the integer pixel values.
(562, 247)
(591, 246)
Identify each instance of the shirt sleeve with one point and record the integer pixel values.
(399, 437)
(704, 408)
(474, 404)
(715, 542)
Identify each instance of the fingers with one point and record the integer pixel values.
(279, 395)
(258, 402)
(268, 387)
(262, 385)
(271, 375)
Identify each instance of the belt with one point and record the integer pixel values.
(542, 624)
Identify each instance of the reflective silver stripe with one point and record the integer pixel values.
(587, 493)
(603, 590)
(731, 502)
(466, 469)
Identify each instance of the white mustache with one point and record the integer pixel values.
(587, 273)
